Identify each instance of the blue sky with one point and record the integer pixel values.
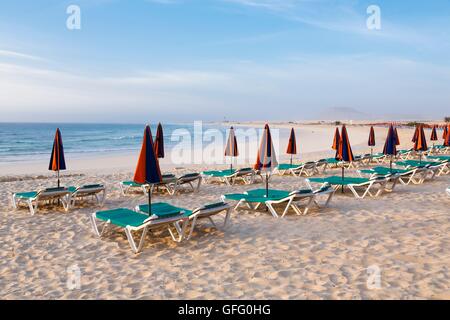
(184, 60)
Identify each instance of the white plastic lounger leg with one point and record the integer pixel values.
(271, 209)
(181, 231)
(14, 203)
(227, 217)
(95, 227)
(132, 242)
(33, 208)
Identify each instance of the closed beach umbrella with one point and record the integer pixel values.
(57, 161)
(447, 136)
(434, 136)
(292, 144)
(397, 139)
(371, 141)
(231, 150)
(159, 141)
(390, 146)
(266, 159)
(336, 140)
(416, 133)
(446, 130)
(421, 142)
(345, 152)
(147, 169)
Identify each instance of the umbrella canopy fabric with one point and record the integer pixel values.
(266, 159)
(336, 140)
(371, 142)
(445, 133)
(434, 136)
(57, 160)
(159, 141)
(447, 137)
(416, 133)
(397, 139)
(147, 169)
(345, 152)
(390, 146)
(421, 142)
(292, 144)
(231, 149)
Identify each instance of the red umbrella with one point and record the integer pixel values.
(292, 144)
(147, 169)
(159, 141)
(57, 161)
(421, 142)
(266, 159)
(336, 140)
(371, 141)
(345, 152)
(231, 150)
(447, 136)
(416, 133)
(446, 130)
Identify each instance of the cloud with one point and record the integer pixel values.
(20, 55)
(300, 89)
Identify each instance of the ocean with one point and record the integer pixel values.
(33, 141)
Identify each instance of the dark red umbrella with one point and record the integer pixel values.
(292, 144)
(57, 161)
(345, 152)
(420, 144)
(434, 136)
(371, 141)
(147, 169)
(159, 141)
(231, 150)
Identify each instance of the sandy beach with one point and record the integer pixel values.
(327, 254)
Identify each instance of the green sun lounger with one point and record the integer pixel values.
(253, 199)
(47, 195)
(354, 183)
(204, 212)
(247, 175)
(131, 221)
(307, 168)
(405, 176)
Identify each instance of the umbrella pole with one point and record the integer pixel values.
(342, 178)
(267, 185)
(390, 163)
(58, 179)
(291, 159)
(149, 200)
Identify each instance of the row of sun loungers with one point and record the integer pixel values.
(170, 183)
(181, 222)
(66, 196)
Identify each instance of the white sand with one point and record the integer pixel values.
(324, 255)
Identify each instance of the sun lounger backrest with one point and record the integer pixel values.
(52, 192)
(301, 192)
(218, 206)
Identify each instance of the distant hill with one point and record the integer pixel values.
(343, 113)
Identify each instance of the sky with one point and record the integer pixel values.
(136, 61)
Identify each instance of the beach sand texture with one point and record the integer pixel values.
(327, 254)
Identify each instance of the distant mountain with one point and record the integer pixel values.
(343, 113)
